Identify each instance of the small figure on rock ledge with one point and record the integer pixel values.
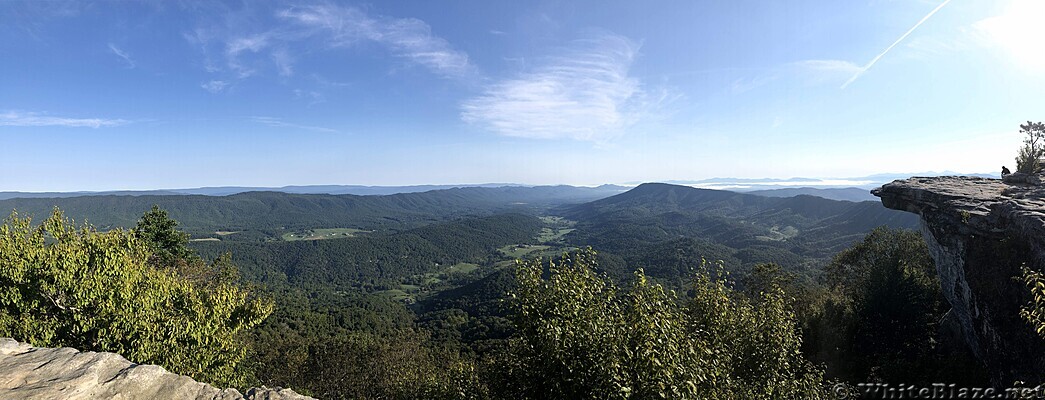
(1004, 171)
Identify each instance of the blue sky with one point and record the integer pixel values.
(146, 95)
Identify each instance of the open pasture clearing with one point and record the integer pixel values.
(322, 233)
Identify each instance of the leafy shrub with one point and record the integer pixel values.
(62, 286)
(1034, 312)
(580, 336)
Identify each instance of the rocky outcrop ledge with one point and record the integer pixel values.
(28, 372)
(981, 232)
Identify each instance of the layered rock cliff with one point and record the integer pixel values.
(981, 232)
(28, 372)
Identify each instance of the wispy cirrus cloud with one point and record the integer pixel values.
(123, 55)
(243, 53)
(284, 62)
(803, 72)
(826, 71)
(741, 85)
(407, 38)
(32, 119)
(585, 93)
(312, 96)
(329, 83)
(238, 46)
(214, 86)
(279, 123)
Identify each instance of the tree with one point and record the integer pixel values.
(62, 286)
(765, 277)
(580, 336)
(879, 317)
(159, 232)
(1029, 156)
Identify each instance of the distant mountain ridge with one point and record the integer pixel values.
(269, 211)
(843, 194)
(735, 184)
(659, 198)
(360, 190)
(739, 228)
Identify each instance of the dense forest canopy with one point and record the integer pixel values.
(690, 293)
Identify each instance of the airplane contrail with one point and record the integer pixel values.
(904, 36)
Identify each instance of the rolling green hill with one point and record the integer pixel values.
(268, 215)
(667, 228)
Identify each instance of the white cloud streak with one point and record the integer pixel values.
(236, 47)
(329, 26)
(278, 123)
(29, 119)
(408, 38)
(314, 97)
(122, 54)
(284, 62)
(214, 86)
(808, 72)
(583, 94)
(874, 60)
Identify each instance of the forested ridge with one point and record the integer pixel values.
(271, 212)
(663, 291)
(667, 228)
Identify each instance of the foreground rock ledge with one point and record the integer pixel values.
(28, 372)
(980, 233)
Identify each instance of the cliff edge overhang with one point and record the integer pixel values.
(981, 233)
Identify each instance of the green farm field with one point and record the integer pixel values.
(322, 233)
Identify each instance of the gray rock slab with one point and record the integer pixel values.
(29, 373)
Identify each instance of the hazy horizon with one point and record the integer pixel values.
(719, 183)
(104, 96)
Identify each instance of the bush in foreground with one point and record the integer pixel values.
(62, 286)
(580, 336)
